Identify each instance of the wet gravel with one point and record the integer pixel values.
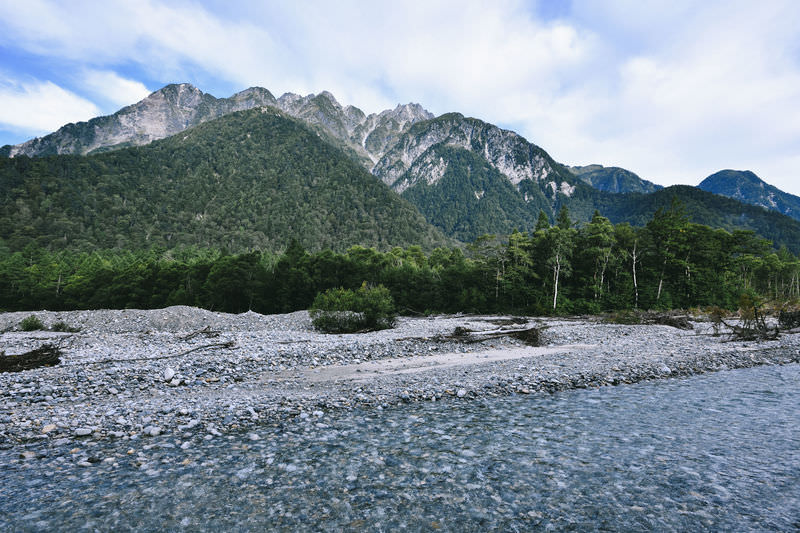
(132, 375)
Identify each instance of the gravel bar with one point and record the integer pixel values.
(132, 374)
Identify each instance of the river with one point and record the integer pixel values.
(715, 452)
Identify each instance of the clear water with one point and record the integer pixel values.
(719, 452)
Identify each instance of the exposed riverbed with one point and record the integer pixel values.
(132, 375)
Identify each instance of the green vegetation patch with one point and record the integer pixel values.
(347, 311)
(31, 323)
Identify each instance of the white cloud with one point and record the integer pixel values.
(40, 107)
(110, 86)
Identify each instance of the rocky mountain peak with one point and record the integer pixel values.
(330, 97)
(504, 150)
(180, 94)
(747, 187)
(254, 93)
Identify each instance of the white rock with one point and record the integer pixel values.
(461, 393)
(152, 431)
(83, 432)
(169, 374)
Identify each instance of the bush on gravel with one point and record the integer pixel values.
(32, 323)
(347, 311)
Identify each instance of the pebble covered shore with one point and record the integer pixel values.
(131, 374)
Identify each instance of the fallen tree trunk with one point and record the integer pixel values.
(206, 332)
(45, 355)
(226, 344)
(530, 336)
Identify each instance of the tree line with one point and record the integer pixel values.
(558, 268)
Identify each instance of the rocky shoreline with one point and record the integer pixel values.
(130, 374)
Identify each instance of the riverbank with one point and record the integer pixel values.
(131, 374)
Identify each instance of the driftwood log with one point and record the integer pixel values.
(205, 332)
(45, 355)
(530, 336)
(226, 344)
(651, 318)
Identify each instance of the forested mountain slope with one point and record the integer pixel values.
(613, 179)
(250, 179)
(706, 208)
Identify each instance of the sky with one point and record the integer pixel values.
(672, 90)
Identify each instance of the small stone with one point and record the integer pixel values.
(28, 455)
(192, 423)
(175, 382)
(152, 431)
(461, 393)
(48, 428)
(83, 432)
(254, 436)
(168, 374)
(318, 414)
(185, 445)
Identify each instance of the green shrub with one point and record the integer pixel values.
(348, 311)
(32, 323)
(65, 328)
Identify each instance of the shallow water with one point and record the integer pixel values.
(718, 452)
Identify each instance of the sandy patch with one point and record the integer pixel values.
(422, 363)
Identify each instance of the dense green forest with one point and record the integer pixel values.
(251, 179)
(596, 266)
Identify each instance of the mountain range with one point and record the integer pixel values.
(309, 156)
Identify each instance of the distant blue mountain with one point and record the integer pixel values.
(748, 188)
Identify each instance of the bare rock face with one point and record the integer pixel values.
(379, 132)
(369, 136)
(165, 112)
(410, 159)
